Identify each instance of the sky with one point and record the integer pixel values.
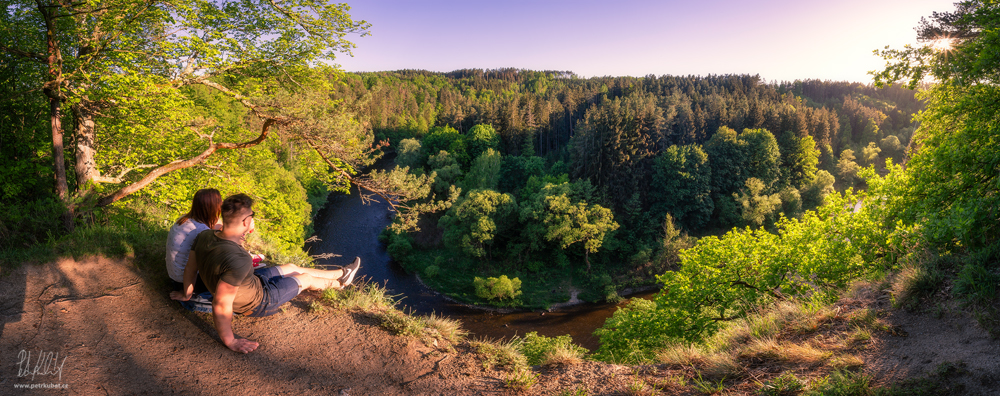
(781, 40)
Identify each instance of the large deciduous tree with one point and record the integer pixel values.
(121, 63)
(952, 185)
(557, 213)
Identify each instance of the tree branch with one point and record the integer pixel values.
(156, 173)
(24, 54)
(120, 178)
(393, 203)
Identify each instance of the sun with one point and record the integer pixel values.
(942, 44)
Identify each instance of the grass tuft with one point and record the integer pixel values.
(521, 379)
(842, 383)
(365, 297)
(786, 384)
(707, 387)
(449, 329)
(580, 391)
(563, 355)
(504, 354)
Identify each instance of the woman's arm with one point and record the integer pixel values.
(190, 275)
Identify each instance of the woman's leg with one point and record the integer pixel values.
(309, 282)
(289, 270)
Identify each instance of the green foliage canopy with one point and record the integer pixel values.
(474, 220)
(682, 185)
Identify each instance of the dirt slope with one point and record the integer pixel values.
(115, 334)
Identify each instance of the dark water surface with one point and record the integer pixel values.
(349, 228)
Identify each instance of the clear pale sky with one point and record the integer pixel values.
(781, 40)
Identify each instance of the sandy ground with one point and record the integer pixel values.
(99, 327)
(946, 343)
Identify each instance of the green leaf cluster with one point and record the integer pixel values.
(501, 288)
(724, 278)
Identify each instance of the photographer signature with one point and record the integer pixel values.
(46, 363)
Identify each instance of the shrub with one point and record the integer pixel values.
(431, 271)
(726, 278)
(539, 349)
(497, 288)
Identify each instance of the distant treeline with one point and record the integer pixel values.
(547, 105)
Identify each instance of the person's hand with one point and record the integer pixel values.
(179, 296)
(242, 345)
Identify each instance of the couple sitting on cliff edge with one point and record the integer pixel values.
(217, 258)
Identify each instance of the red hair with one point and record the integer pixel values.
(205, 207)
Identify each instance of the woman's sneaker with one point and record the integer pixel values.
(349, 272)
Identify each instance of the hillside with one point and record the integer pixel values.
(115, 332)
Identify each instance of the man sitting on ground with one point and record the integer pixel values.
(226, 268)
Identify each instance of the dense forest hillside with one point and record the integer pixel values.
(547, 175)
(780, 221)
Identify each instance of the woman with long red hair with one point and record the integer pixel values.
(206, 208)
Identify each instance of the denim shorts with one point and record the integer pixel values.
(277, 291)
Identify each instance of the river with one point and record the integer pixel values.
(349, 228)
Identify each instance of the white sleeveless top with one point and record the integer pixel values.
(179, 243)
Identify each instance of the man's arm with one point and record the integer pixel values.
(222, 311)
(190, 274)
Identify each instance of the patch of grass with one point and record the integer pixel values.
(976, 284)
(365, 297)
(564, 355)
(671, 381)
(841, 383)
(786, 384)
(846, 362)
(867, 318)
(539, 349)
(503, 354)
(769, 349)
(713, 364)
(638, 387)
(400, 323)
(449, 329)
(521, 379)
(914, 282)
(682, 355)
(707, 387)
(580, 391)
(859, 335)
(317, 307)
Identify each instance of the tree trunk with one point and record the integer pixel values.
(86, 166)
(53, 90)
(586, 259)
(59, 160)
(58, 150)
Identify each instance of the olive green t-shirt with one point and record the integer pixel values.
(225, 260)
